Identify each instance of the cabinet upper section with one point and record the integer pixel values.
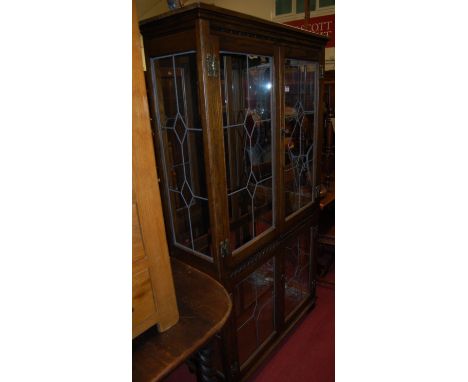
(236, 112)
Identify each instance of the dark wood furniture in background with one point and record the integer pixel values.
(326, 254)
(204, 307)
(237, 119)
(328, 145)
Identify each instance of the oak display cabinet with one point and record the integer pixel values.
(237, 120)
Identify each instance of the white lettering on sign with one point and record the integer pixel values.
(322, 28)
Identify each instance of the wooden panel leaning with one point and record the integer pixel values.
(153, 296)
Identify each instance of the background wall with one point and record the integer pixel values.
(259, 8)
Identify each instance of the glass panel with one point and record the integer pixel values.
(297, 269)
(167, 85)
(254, 309)
(283, 6)
(300, 5)
(326, 3)
(246, 85)
(299, 133)
(181, 139)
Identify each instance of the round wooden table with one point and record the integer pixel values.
(204, 307)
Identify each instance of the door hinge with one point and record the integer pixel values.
(212, 65)
(317, 192)
(234, 367)
(224, 248)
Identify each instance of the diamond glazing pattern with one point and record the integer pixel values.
(180, 135)
(246, 88)
(299, 133)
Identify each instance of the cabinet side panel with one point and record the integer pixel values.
(180, 136)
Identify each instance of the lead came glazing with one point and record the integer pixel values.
(299, 133)
(246, 85)
(181, 141)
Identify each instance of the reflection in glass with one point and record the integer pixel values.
(254, 309)
(181, 140)
(246, 83)
(298, 258)
(300, 89)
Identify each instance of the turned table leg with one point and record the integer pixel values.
(204, 361)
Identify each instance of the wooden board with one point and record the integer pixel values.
(153, 297)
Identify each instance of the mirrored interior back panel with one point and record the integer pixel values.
(246, 86)
(300, 133)
(180, 136)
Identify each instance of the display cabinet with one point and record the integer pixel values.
(237, 121)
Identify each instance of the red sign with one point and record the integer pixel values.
(324, 25)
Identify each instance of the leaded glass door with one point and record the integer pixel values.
(300, 133)
(246, 86)
(254, 309)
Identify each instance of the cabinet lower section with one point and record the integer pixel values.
(267, 302)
